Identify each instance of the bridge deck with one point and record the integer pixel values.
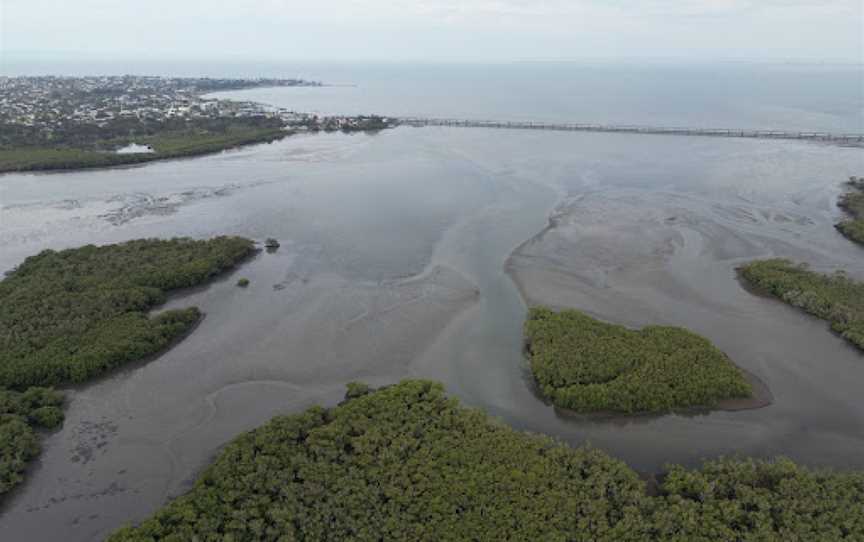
(661, 130)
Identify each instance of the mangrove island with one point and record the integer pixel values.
(585, 365)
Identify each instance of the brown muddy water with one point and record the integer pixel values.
(401, 255)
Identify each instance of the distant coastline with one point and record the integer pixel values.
(73, 123)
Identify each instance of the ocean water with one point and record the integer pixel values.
(736, 95)
(413, 253)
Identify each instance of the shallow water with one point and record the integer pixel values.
(394, 263)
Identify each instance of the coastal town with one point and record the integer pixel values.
(63, 123)
(46, 104)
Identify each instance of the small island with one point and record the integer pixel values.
(853, 203)
(587, 366)
(72, 315)
(407, 462)
(835, 298)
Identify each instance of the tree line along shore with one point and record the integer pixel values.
(79, 148)
(72, 315)
(166, 140)
(835, 297)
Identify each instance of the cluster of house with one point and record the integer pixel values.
(307, 122)
(50, 101)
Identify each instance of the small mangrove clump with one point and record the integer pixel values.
(853, 203)
(586, 365)
(243, 282)
(835, 298)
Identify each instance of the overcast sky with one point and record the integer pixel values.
(470, 30)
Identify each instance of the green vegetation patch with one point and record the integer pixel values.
(20, 415)
(853, 203)
(94, 148)
(586, 365)
(771, 501)
(402, 463)
(407, 463)
(835, 298)
(70, 315)
(172, 145)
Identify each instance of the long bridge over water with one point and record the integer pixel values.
(840, 138)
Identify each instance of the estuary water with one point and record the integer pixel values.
(413, 253)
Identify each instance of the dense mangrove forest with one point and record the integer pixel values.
(408, 463)
(73, 314)
(585, 365)
(832, 297)
(21, 415)
(79, 146)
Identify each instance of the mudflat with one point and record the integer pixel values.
(392, 266)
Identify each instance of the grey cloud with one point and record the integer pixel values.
(440, 29)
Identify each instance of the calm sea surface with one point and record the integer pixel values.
(739, 95)
(399, 252)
